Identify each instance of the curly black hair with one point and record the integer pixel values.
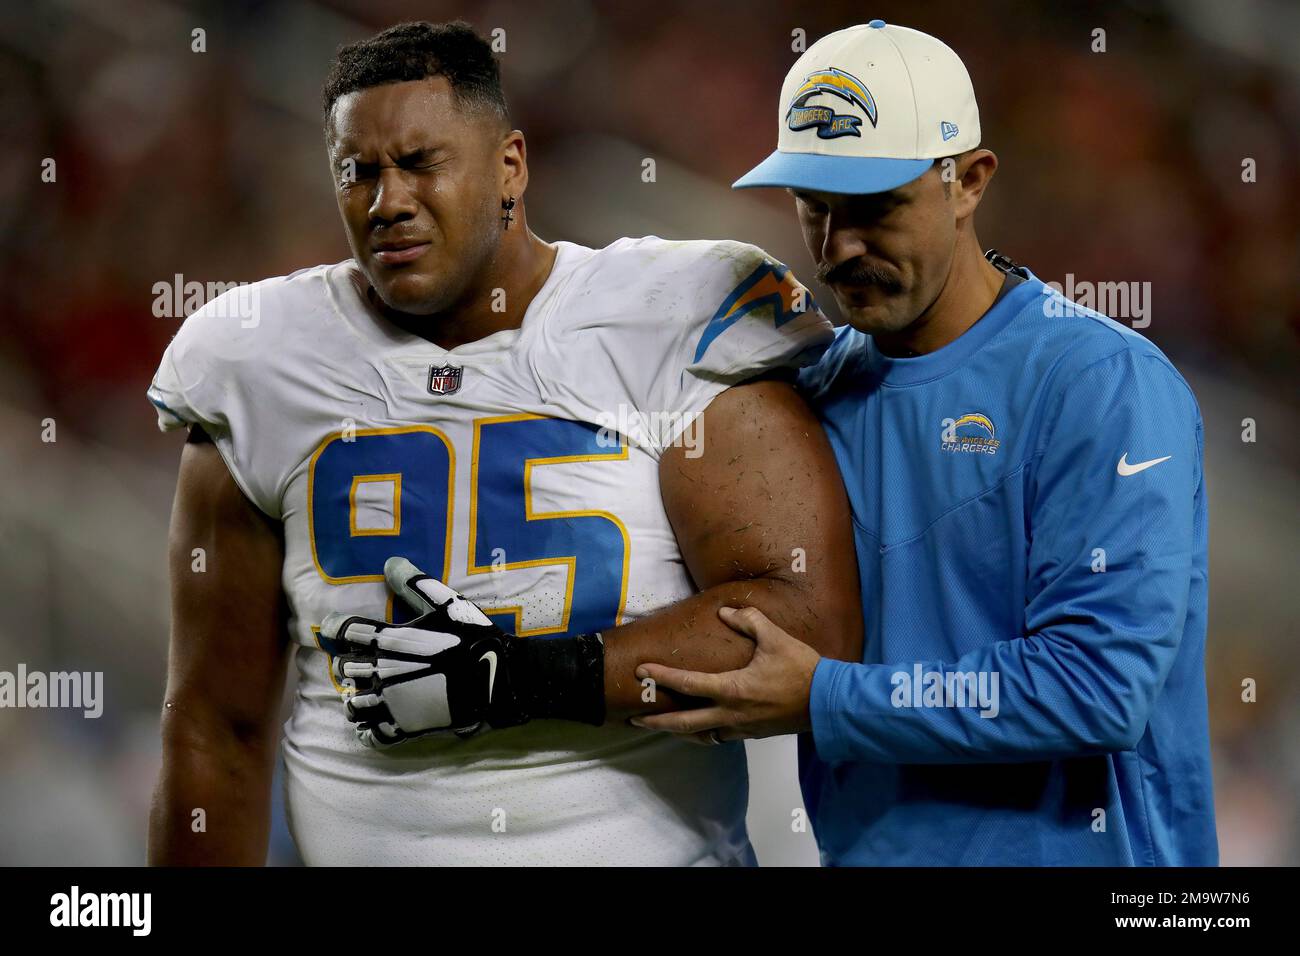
(416, 51)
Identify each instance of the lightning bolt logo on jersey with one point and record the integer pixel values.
(483, 465)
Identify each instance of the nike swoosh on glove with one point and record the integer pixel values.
(447, 671)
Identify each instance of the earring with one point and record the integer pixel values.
(507, 217)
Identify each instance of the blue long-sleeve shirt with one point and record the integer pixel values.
(1030, 522)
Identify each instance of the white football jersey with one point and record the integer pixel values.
(521, 469)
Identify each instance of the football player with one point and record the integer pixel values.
(522, 420)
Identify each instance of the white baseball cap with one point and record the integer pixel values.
(868, 109)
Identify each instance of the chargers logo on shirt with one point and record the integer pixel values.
(825, 120)
(971, 433)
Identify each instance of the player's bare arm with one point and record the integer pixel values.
(762, 520)
(220, 720)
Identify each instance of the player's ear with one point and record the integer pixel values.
(514, 163)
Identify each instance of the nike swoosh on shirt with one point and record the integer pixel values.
(1125, 469)
(491, 658)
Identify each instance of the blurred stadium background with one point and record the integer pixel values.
(1116, 166)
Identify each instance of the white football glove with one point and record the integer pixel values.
(446, 671)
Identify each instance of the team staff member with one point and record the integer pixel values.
(1029, 509)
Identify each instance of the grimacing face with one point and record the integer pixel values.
(885, 256)
(422, 210)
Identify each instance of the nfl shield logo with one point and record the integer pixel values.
(444, 379)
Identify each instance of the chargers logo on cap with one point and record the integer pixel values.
(826, 121)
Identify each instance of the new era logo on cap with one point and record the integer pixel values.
(868, 109)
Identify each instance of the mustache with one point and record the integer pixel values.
(858, 272)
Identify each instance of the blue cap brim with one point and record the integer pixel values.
(832, 174)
